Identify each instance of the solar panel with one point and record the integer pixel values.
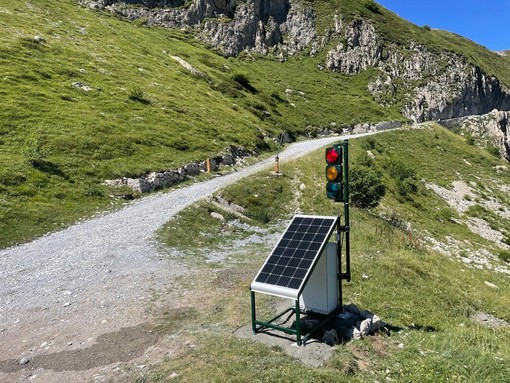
(292, 260)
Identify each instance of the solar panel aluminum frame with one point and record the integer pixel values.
(286, 292)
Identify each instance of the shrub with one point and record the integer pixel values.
(136, 94)
(426, 27)
(366, 187)
(504, 255)
(372, 6)
(404, 176)
(364, 159)
(444, 215)
(470, 140)
(494, 150)
(243, 80)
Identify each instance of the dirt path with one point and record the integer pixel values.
(76, 304)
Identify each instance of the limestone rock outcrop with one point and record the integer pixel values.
(228, 25)
(429, 85)
(493, 128)
(360, 50)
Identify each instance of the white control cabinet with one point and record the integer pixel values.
(320, 294)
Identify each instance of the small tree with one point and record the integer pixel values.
(137, 94)
(371, 5)
(366, 187)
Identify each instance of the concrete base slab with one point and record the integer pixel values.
(313, 353)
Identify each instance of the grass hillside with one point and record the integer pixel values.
(87, 97)
(400, 272)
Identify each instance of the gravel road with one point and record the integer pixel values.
(66, 289)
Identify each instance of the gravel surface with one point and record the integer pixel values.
(67, 289)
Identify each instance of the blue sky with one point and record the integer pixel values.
(486, 22)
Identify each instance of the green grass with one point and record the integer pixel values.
(426, 297)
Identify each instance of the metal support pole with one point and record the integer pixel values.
(346, 212)
(345, 228)
(298, 323)
(339, 261)
(253, 318)
(277, 164)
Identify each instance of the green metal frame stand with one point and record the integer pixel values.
(259, 326)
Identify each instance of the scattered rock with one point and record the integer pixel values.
(365, 327)
(356, 333)
(377, 323)
(307, 324)
(217, 216)
(186, 65)
(39, 39)
(488, 320)
(354, 323)
(82, 86)
(491, 285)
(330, 337)
(24, 361)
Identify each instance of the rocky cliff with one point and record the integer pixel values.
(427, 85)
(229, 25)
(430, 86)
(489, 130)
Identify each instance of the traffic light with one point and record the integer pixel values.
(334, 173)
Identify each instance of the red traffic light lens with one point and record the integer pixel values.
(332, 155)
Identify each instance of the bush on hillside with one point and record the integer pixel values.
(366, 188)
(371, 5)
(493, 150)
(243, 80)
(137, 94)
(504, 255)
(404, 176)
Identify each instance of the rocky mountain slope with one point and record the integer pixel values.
(425, 82)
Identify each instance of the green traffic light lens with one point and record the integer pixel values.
(334, 190)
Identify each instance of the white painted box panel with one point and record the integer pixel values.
(320, 294)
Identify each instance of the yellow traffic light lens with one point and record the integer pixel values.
(331, 173)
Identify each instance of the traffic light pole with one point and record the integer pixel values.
(344, 229)
(337, 188)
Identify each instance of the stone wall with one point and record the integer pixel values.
(166, 178)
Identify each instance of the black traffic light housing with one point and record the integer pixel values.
(334, 173)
